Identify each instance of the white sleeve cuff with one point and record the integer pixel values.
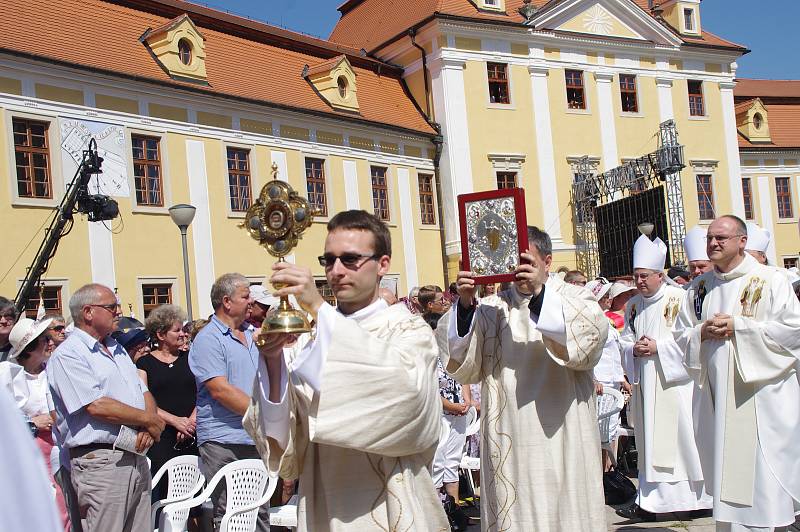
(551, 321)
(274, 416)
(309, 362)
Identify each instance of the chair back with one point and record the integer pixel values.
(245, 482)
(184, 479)
(608, 404)
(473, 421)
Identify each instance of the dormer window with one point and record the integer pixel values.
(494, 5)
(179, 48)
(758, 121)
(752, 121)
(688, 19)
(335, 82)
(185, 52)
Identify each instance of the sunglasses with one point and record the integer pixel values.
(58, 328)
(348, 260)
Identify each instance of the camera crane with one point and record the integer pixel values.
(76, 200)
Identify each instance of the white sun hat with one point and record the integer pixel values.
(24, 332)
(598, 288)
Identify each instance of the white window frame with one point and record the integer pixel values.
(56, 168)
(494, 5)
(693, 29)
(165, 180)
(326, 165)
(143, 280)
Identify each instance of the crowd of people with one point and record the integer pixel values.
(365, 418)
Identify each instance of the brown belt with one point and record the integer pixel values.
(75, 452)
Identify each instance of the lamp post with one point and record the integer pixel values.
(646, 228)
(183, 214)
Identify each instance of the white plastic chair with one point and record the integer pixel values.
(609, 404)
(473, 421)
(248, 487)
(471, 463)
(184, 480)
(285, 515)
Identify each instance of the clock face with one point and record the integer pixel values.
(110, 138)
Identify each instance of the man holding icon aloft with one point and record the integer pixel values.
(355, 414)
(532, 347)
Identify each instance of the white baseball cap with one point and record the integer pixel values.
(262, 295)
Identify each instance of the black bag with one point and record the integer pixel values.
(617, 487)
(459, 521)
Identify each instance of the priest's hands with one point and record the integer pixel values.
(298, 281)
(720, 327)
(272, 348)
(645, 347)
(531, 274)
(465, 285)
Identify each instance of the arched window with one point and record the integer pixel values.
(341, 82)
(185, 51)
(758, 120)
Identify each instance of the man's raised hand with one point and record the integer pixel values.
(465, 285)
(299, 282)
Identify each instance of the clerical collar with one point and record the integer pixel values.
(655, 297)
(367, 311)
(745, 267)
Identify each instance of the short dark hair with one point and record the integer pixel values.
(427, 295)
(740, 225)
(6, 303)
(541, 240)
(364, 221)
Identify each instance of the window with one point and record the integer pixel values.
(696, 107)
(426, 206)
(498, 82)
(758, 120)
(575, 94)
(325, 291)
(790, 262)
(506, 180)
(315, 185)
(51, 295)
(688, 19)
(705, 197)
(341, 84)
(627, 89)
(380, 192)
(239, 179)
(155, 295)
(185, 51)
(147, 170)
(32, 153)
(783, 194)
(747, 194)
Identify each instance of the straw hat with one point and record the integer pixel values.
(23, 333)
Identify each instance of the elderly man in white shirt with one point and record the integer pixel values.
(98, 397)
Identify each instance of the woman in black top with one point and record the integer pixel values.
(166, 373)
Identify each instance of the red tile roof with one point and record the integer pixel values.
(369, 24)
(781, 98)
(245, 60)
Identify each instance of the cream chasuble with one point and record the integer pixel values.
(358, 423)
(750, 385)
(540, 459)
(670, 472)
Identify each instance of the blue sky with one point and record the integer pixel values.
(766, 27)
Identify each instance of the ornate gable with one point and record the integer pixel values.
(752, 121)
(335, 81)
(604, 18)
(179, 48)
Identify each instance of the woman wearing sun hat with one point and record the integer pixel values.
(29, 350)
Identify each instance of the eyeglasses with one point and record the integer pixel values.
(721, 239)
(113, 308)
(643, 275)
(348, 260)
(58, 328)
(10, 316)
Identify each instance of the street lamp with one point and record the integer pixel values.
(646, 228)
(183, 214)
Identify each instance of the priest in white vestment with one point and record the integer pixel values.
(739, 327)
(670, 472)
(694, 244)
(356, 413)
(532, 348)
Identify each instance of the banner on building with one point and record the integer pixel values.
(75, 137)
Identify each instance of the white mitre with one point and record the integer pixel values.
(649, 254)
(757, 238)
(695, 244)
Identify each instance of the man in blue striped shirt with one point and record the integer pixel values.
(96, 391)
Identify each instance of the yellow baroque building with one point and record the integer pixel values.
(191, 105)
(768, 123)
(524, 90)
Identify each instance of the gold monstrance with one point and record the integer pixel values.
(277, 220)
